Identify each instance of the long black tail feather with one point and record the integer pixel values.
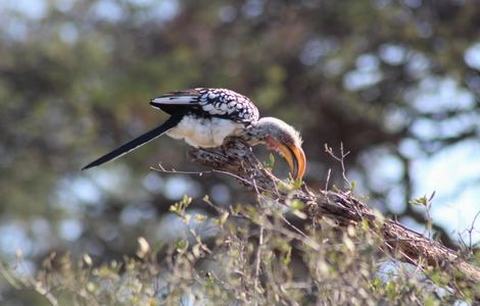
(137, 142)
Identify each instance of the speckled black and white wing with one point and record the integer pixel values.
(214, 102)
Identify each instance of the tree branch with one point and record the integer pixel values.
(237, 159)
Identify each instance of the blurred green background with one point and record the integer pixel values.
(397, 82)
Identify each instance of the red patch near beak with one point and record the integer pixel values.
(271, 144)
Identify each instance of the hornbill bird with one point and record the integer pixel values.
(204, 117)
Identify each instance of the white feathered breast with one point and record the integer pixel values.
(205, 132)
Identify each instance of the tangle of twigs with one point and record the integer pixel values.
(236, 159)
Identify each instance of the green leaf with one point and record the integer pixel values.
(270, 162)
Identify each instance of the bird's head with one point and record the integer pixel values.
(282, 138)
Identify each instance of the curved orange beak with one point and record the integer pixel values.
(295, 158)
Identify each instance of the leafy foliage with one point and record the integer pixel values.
(260, 258)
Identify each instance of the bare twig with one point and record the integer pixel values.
(340, 159)
(19, 282)
(470, 231)
(162, 169)
(258, 257)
